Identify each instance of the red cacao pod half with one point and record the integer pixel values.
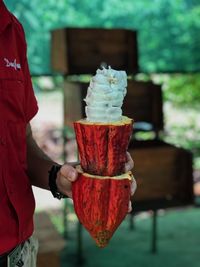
(101, 203)
(102, 147)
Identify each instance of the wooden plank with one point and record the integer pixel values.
(59, 52)
(84, 49)
(143, 103)
(161, 173)
(73, 103)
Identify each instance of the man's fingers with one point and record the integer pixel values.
(133, 186)
(69, 194)
(129, 207)
(66, 176)
(69, 172)
(129, 164)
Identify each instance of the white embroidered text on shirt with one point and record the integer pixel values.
(13, 64)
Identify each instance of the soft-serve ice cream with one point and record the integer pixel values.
(105, 95)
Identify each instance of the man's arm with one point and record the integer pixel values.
(39, 165)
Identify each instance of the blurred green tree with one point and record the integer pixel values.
(167, 29)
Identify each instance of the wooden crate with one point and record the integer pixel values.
(74, 93)
(83, 50)
(51, 242)
(143, 103)
(164, 175)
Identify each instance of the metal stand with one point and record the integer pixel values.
(154, 232)
(65, 222)
(80, 258)
(132, 222)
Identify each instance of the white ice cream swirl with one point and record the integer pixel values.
(105, 95)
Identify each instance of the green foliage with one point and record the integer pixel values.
(183, 90)
(168, 30)
(183, 129)
(168, 41)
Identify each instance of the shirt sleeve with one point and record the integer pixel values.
(31, 106)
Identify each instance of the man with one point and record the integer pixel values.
(22, 163)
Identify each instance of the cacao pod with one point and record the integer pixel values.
(102, 147)
(101, 204)
(101, 193)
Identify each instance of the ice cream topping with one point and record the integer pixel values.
(105, 95)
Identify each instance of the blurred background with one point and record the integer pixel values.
(164, 226)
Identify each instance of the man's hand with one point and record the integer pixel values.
(66, 176)
(129, 163)
(128, 167)
(69, 174)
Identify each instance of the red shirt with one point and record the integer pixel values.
(17, 106)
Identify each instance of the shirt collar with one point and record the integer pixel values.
(5, 16)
